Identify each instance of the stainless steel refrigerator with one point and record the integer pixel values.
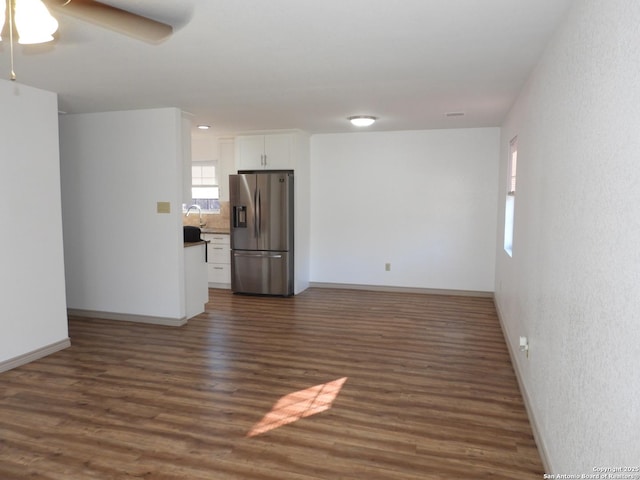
(262, 232)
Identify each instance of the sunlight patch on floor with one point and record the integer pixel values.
(297, 405)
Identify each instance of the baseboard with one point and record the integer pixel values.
(34, 355)
(125, 317)
(386, 288)
(540, 443)
(220, 286)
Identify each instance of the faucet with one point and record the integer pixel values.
(202, 224)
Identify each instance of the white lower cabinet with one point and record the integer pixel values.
(219, 260)
(195, 280)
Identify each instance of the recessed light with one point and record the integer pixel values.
(362, 120)
(204, 127)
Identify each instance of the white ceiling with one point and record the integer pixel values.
(244, 65)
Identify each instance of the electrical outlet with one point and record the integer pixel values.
(387, 267)
(524, 345)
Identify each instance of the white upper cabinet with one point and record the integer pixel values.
(265, 152)
(250, 152)
(278, 151)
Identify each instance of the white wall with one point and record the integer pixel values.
(32, 292)
(121, 256)
(424, 201)
(302, 212)
(573, 284)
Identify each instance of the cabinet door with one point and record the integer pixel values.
(250, 151)
(277, 149)
(219, 273)
(217, 238)
(196, 284)
(219, 259)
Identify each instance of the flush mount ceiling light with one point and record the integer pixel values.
(362, 120)
(204, 127)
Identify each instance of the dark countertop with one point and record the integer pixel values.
(216, 231)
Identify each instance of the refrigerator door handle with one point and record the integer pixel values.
(255, 213)
(259, 214)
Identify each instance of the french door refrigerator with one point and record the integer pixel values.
(262, 232)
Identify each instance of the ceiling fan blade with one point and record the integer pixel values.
(113, 18)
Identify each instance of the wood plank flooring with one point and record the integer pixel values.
(330, 384)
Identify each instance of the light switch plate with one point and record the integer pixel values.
(164, 207)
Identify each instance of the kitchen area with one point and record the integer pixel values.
(205, 219)
(125, 176)
(214, 155)
(216, 160)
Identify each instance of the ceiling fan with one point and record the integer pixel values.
(114, 18)
(102, 14)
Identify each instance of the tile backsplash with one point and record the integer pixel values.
(213, 221)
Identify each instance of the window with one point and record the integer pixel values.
(204, 186)
(510, 201)
(513, 161)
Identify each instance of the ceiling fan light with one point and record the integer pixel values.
(362, 120)
(34, 22)
(2, 13)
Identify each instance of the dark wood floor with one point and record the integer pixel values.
(331, 384)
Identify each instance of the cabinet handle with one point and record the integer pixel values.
(218, 268)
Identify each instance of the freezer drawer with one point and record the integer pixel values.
(263, 273)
